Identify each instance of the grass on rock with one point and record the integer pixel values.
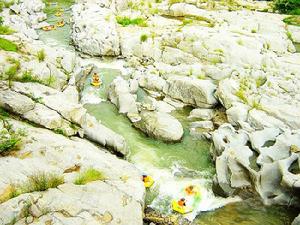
(292, 20)
(241, 95)
(41, 55)
(89, 175)
(8, 144)
(144, 37)
(5, 4)
(7, 45)
(41, 181)
(6, 30)
(126, 21)
(28, 77)
(12, 70)
(287, 6)
(9, 138)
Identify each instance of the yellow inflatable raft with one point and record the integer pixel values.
(96, 84)
(60, 24)
(149, 182)
(48, 28)
(180, 209)
(58, 14)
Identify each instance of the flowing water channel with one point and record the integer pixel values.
(173, 166)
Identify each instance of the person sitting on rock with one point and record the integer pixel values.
(181, 202)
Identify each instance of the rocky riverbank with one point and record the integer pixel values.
(209, 56)
(47, 162)
(184, 53)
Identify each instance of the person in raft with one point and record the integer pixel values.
(190, 190)
(146, 178)
(181, 202)
(96, 78)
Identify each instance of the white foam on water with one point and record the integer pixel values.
(112, 63)
(90, 96)
(169, 182)
(170, 187)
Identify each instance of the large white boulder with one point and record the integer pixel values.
(119, 198)
(192, 91)
(13, 101)
(97, 132)
(53, 99)
(226, 136)
(152, 82)
(260, 120)
(259, 138)
(50, 119)
(92, 33)
(160, 125)
(277, 107)
(119, 94)
(237, 113)
(203, 114)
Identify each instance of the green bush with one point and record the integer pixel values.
(7, 45)
(6, 30)
(41, 182)
(12, 70)
(9, 138)
(88, 176)
(41, 55)
(126, 21)
(143, 37)
(5, 4)
(287, 6)
(8, 144)
(50, 80)
(59, 131)
(292, 20)
(3, 114)
(241, 95)
(28, 77)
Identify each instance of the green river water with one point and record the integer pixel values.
(297, 46)
(172, 165)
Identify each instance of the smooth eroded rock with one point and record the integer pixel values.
(160, 125)
(192, 91)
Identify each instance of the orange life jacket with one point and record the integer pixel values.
(181, 203)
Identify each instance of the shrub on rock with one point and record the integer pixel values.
(89, 175)
(287, 6)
